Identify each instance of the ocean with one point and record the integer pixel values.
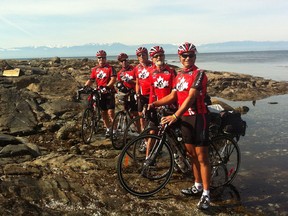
(267, 64)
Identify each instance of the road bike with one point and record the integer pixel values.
(144, 177)
(125, 124)
(91, 118)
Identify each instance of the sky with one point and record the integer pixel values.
(135, 22)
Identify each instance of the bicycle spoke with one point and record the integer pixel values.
(132, 131)
(119, 126)
(225, 151)
(87, 125)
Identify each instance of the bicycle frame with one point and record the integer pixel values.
(176, 146)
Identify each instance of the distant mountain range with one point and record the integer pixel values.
(116, 48)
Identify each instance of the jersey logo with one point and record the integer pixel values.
(126, 78)
(101, 75)
(182, 84)
(161, 83)
(143, 74)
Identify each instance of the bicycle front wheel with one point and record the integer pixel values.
(88, 125)
(119, 125)
(225, 151)
(133, 130)
(97, 118)
(142, 179)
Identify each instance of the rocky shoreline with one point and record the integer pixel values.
(45, 169)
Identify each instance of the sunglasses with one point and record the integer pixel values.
(101, 57)
(141, 54)
(124, 60)
(191, 55)
(159, 55)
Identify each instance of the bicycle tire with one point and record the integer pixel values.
(130, 168)
(119, 125)
(88, 125)
(225, 150)
(131, 131)
(97, 118)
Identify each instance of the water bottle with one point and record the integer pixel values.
(179, 161)
(178, 134)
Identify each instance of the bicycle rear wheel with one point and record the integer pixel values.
(225, 151)
(88, 125)
(139, 179)
(219, 176)
(119, 125)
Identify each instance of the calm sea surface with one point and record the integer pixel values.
(262, 182)
(268, 64)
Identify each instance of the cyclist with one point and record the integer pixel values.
(190, 91)
(104, 76)
(161, 79)
(143, 84)
(126, 83)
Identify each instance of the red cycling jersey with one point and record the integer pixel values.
(192, 78)
(102, 75)
(126, 75)
(143, 75)
(161, 82)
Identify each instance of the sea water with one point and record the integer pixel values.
(267, 64)
(262, 181)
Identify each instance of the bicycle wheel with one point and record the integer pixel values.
(97, 118)
(219, 176)
(140, 179)
(88, 125)
(119, 125)
(132, 130)
(225, 151)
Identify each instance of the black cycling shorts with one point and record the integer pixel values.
(142, 100)
(195, 129)
(131, 104)
(107, 101)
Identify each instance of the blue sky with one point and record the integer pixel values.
(133, 22)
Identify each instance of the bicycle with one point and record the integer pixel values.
(125, 124)
(91, 118)
(145, 177)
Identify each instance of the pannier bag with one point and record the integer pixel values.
(232, 123)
